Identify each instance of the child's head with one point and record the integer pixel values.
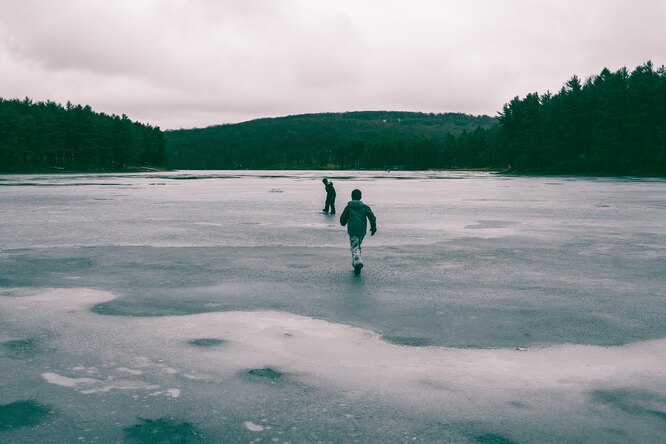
(325, 180)
(356, 194)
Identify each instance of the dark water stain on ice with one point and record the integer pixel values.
(267, 373)
(640, 403)
(517, 404)
(408, 341)
(24, 413)
(435, 385)
(491, 438)
(163, 430)
(122, 307)
(21, 348)
(207, 342)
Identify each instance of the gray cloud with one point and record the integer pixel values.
(178, 63)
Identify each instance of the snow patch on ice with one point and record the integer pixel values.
(68, 299)
(89, 385)
(253, 427)
(64, 381)
(131, 371)
(173, 392)
(338, 357)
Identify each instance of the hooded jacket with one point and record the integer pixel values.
(356, 216)
(330, 190)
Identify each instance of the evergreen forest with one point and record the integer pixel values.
(612, 123)
(46, 135)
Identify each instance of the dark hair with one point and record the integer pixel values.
(325, 179)
(356, 194)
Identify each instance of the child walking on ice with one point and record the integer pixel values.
(330, 196)
(355, 216)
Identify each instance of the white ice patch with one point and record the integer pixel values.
(60, 300)
(173, 392)
(130, 371)
(253, 427)
(64, 381)
(461, 382)
(89, 385)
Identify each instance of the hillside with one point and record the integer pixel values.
(370, 139)
(613, 123)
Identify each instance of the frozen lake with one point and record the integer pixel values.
(221, 307)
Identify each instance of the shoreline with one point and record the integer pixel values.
(505, 172)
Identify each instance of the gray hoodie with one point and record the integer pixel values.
(355, 216)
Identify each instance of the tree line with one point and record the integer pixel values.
(43, 135)
(614, 122)
(370, 139)
(611, 123)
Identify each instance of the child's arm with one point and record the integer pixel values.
(344, 217)
(373, 220)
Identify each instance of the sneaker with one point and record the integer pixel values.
(357, 268)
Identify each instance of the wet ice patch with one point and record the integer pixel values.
(492, 438)
(632, 401)
(267, 373)
(408, 341)
(22, 348)
(22, 413)
(164, 430)
(206, 342)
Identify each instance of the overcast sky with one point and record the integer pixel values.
(194, 63)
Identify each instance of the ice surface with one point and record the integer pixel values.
(491, 309)
(550, 382)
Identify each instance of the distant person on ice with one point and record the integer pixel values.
(330, 196)
(356, 216)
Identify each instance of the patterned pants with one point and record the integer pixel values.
(355, 247)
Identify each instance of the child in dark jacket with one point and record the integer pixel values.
(330, 196)
(355, 217)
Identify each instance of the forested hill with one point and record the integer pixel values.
(45, 135)
(610, 123)
(370, 139)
